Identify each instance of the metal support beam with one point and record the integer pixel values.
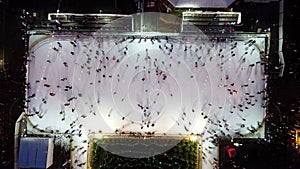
(280, 44)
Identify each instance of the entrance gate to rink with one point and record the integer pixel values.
(62, 27)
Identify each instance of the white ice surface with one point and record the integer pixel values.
(109, 83)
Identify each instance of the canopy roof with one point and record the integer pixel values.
(201, 3)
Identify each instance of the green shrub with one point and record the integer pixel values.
(183, 155)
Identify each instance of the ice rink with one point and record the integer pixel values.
(166, 85)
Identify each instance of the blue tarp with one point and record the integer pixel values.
(33, 153)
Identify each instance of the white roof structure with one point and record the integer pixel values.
(201, 3)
